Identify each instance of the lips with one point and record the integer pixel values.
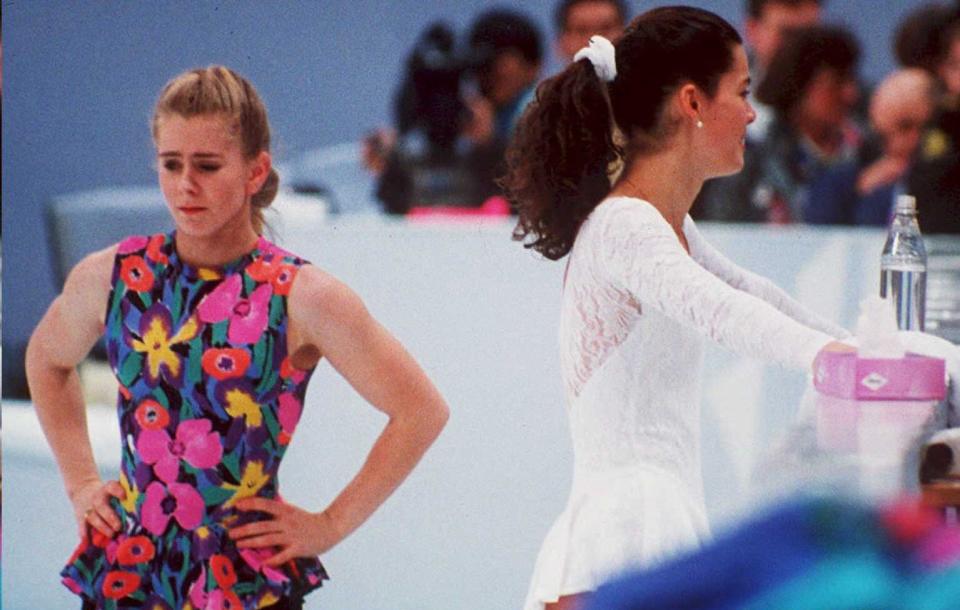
(189, 210)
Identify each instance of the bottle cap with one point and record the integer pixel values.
(906, 203)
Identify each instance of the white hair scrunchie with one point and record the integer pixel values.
(601, 54)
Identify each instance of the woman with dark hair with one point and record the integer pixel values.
(667, 108)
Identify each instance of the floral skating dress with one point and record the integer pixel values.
(208, 403)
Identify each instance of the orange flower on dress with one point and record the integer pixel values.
(225, 362)
(223, 571)
(272, 269)
(99, 539)
(282, 280)
(151, 415)
(117, 585)
(154, 252)
(262, 269)
(134, 550)
(288, 371)
(136, 274)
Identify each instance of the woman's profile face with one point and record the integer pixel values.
(726, 116)
(204, 176)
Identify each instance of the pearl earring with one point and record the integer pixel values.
(699, 124)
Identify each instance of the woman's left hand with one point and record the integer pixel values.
(293, 531)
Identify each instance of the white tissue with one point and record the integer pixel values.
(877, 334)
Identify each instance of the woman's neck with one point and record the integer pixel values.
(665, 180)
(217, 249)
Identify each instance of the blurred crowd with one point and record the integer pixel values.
(455, 110)
(826, 148)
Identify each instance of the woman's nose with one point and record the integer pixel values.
(188, 183)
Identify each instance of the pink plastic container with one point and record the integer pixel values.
(913, 377)
(875, 406)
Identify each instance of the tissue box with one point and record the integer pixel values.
(913, 377)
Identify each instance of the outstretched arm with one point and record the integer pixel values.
(59, 343)
(642, 254)
(330, 317)
(762, 288)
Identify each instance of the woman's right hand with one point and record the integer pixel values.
(91, 506)
(833, 346)
(838, 346)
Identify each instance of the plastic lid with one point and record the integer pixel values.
(906, 203)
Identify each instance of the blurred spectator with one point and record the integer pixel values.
(918, 38)
(512, 45)
(929, 38)
(577, 20)
(935, 176)
(455, 112)
(811, 85)
(766, 23)
(863, 191)
(947, 68)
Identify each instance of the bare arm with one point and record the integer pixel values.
(59, 343)
(331, 318)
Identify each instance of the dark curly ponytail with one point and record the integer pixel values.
(559, 160)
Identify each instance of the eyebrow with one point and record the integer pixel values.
(199, 155)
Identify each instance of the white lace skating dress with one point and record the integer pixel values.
(636, 308)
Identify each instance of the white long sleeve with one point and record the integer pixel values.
(639, 251)
(742, 279)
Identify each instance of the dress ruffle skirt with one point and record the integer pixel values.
(615, 520)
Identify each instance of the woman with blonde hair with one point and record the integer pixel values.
(213, 333)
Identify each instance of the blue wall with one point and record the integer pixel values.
(81, 78)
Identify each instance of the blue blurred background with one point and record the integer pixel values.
(81, 79)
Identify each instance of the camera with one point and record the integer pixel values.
(431, 165)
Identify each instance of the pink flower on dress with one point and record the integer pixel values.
(177, 500)
(221, 599)
(194, 443)
(267, 247)
(198, 593)
(73, 585)
(256, 559)
(289, 413)
(248, 316)
(132, 244)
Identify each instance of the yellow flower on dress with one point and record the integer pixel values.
(252, 481)
(130, 494)
(208, 275)
(156, 343)
(241, 404)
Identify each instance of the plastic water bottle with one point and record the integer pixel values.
(903, 266)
